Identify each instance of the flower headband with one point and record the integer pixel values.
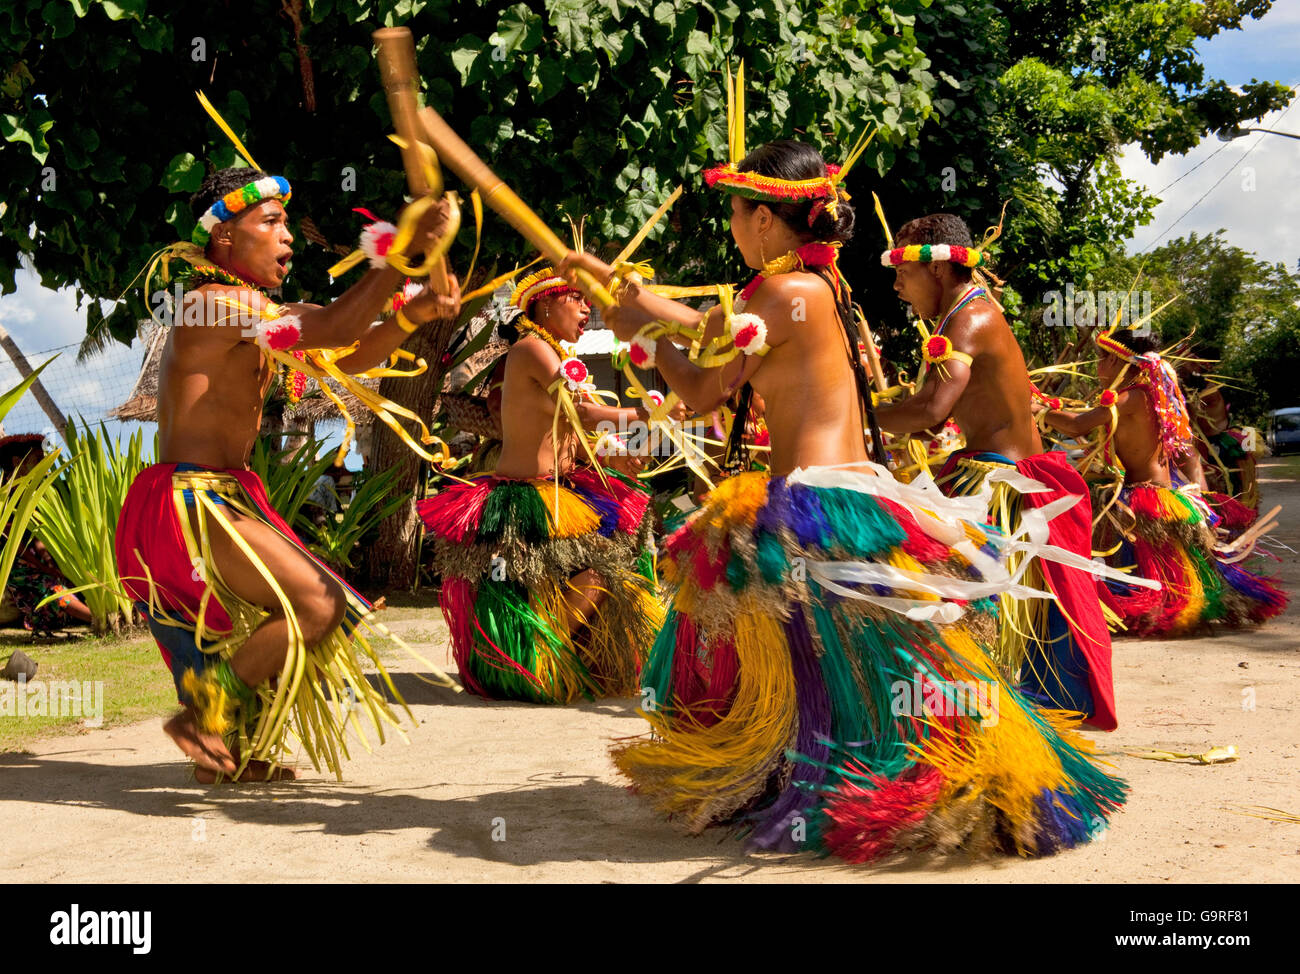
(266, 188)
(930, 253)
(536, 285)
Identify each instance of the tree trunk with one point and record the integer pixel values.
(24, 369)
(392, 562)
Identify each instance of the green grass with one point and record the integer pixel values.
(1286, 467)
(136, 684)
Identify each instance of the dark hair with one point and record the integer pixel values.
(938, 228)
(786, 159)
(219, 183)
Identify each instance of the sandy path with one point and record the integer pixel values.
(117, 805)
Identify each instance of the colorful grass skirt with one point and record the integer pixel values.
(1171, 539)
(824, 681)
(507, 551)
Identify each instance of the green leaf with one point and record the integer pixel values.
(9, 399)
(15, 129)
(122, 9)
(572, 24)
(519, 28)
(549, 79)
(184, 174)
(59, 16)
(463, 56)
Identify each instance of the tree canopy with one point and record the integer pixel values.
(600, 108)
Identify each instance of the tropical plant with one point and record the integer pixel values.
(19, 495)
(374, 499)
(290, 476)
(76, 518)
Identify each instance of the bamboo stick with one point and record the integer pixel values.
(463, 161)
(401, 79)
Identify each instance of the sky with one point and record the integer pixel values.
(1248, 186)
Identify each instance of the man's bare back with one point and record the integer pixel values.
(1137, 440)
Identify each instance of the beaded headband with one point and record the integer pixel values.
(930, 253)
(237, 200)
(266, 188)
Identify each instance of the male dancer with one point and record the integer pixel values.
(249, 622)
(977, 374)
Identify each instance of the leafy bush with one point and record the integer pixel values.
(339, 534)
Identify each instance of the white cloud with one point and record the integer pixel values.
(39, 318)
(1254, 200)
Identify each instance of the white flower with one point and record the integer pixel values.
(376, 240)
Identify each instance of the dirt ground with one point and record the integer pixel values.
(501, 792)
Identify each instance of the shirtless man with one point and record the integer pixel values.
(1062, 650)
(212, 385)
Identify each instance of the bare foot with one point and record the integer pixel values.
(256, 771)
(206, 750)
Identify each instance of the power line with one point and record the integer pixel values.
(1227, 172)
(1221, 147)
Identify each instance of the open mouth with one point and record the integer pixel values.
(285, 260)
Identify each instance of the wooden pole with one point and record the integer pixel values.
(38, 389)
(461, 159)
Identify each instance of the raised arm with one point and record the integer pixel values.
(943, 388)
(349, 318)
(380, 341)
(1075, 423)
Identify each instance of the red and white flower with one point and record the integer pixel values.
(376, 241)
(410, 289)
(575, 375)
(278, 334)
(655, 396)
(749, 333)
(641, 351)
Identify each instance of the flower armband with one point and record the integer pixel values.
(749, 333)
(641, 348)
(279, 333)
(377, 243)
